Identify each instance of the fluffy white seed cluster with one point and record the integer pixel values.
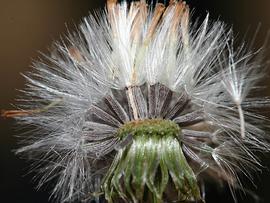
(120, 52)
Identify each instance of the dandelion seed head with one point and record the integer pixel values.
(140, 98)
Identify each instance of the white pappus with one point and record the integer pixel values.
(140, 83)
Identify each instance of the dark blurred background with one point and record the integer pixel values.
(29, 26)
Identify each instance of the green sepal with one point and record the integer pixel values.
(142, 171)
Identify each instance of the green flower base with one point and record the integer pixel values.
(143, 170)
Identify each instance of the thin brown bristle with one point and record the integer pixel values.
(111, 2)
(18, 113)
(15, 113)
(169, 8)
(139, 20)
(111, 5)
(159, 10)
(178, 13)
